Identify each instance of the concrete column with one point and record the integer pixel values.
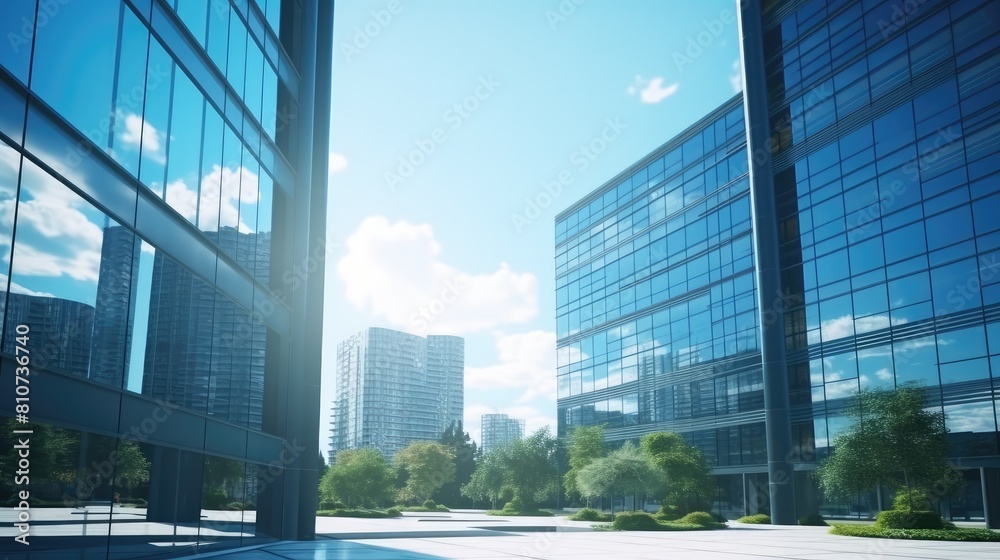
(778, 428)
(990, 477)
(175, 486)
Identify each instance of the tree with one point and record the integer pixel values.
(524, 470)
(688, 482)
(487, 482)
(464, 449)
(529, 468)
(428, 466)
(358, 477)
(894, 441)
(321, 467)
(626, 470)
(586, 443)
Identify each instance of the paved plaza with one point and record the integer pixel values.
(468, 535)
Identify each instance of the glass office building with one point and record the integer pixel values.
(498, 430)
(869, 257)
(657, 316)
(162, 181)
(394, 388)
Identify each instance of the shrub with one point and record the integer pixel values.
(948, 525)
(589, 514)
(895, 519)
(362, 513)
(911, 499)
(249, 506)
(973, 535)
(813, 519)
(138, 502)
(235, 506)
(758, 519)
(214, 500)
(522, 513)
(718, 518)
(698, 518)
(636, 521)
(668, 512)
(430, 504)
(514, 505)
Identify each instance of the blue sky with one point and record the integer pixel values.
(448, 116)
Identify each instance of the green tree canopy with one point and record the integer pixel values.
(464, 449)
(586, 443)
(893, 441)
(358, 477)
(626, 470)
(487, 482)
(524, 469)
(428, 466)
(688, 480)
(530, 468)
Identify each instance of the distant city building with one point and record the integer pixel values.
(499, 430)
(394, 388)
(201, 353)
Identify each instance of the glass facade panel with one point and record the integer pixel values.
(886, 225)
(114, 214)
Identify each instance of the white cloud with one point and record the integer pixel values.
(651, 91)
(736, 77)
(136, 133)
(222, 191)
(56, 214)
(527, 361)
(394, 271)
(16, 288)
(844, 326)
(534, 419)
(337, 163)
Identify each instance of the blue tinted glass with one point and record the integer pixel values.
(961, 344)
(969, 370)
(832, 267)
(916, 361)
(195, 17)
(92, 29)
(17, 27)
(956, 287)
(129, 126)
(904, 243)
(867, 256)
(870, 300)
(894, 130)
(909, 290)
(875, 367)
(949, 227)
(272, 13)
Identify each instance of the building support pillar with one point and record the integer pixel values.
(778, 430)
(990, 477)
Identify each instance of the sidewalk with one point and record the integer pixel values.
(466, 535)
